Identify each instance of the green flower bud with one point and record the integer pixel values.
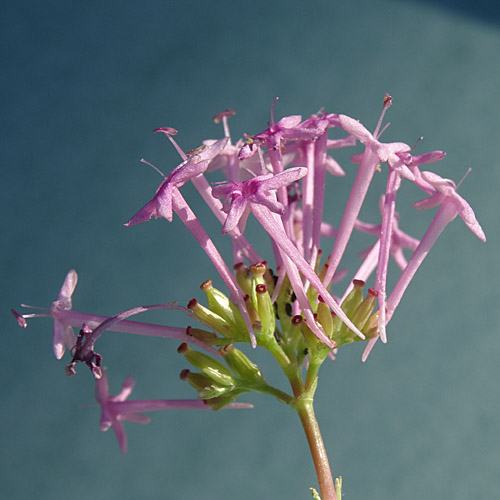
(338, 487)
(265, 310)
(364, 310)
(371, 326)
(212, 319)
(221, 401)
(222, 306)
(243, 277)
(209, 338)
(206, 387)
(349, 305)
(325, 317)
(241, 364)
(218, 372)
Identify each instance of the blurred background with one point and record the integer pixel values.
(83, 84)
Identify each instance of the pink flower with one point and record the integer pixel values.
(447, 194)
(116, 409)
(161, 204)
(62, 333)
(237, 196)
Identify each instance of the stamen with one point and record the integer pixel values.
(169, 132)
(387, 104)
(153, 167)
(272, 110)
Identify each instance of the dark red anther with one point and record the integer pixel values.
(226, 113)
(297, 320)
(371, 291)
(260, 289)
(359, 283)
(192, 304)
(258, 269)
(182, 348)
(184, 374)
(206, 285)
(166, 130)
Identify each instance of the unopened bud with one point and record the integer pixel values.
(218, 372)
(207, 388)
(265, 310)
(241, 364)
(220, 304)
(209, 338)
(212, 319)
(364, 310)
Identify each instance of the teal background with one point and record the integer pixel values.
(83, 85)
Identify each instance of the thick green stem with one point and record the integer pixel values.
(318, 451)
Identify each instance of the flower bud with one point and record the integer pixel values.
(243, 277)
(212, 319)
(208, 338)
(364, 310)
(349, 306)
(222, 306)
(221, 401)
(325, 317)
(241, 364)
(207, 388)
(218, 372)
(265, 310)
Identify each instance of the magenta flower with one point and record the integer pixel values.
(116, 409)
(62, 333)
(447, 194)
(161, 204)
(238, 196)
(65, 319)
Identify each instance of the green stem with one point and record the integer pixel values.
(273, 391)
(311, 428)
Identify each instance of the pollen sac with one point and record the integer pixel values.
(212, 368)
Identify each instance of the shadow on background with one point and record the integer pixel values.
(485, 10)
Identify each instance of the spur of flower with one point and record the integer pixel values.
(301, 308)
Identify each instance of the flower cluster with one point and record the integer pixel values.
(298, 311)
